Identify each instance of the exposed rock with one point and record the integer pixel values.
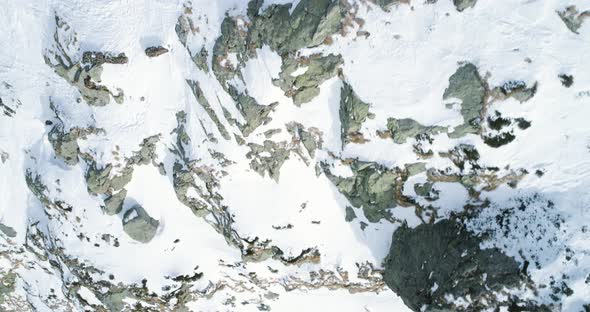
(139, 225)
(92, 59)
(466, 84)
(464, 4)
(84, 74)
(114, 203)
(353, 113)
(436, 264)
(402, 129)
(310, 138)
(146, 153)
(572, 18)
(155, 51)
(99, 181)
(311, 22)
(566, 80)
(198, 93)
(350, 214)
(304, 87)
(372, 188)
(254, 113)
(515, 89)
(7, 230)
(65, 144)
(278, 154)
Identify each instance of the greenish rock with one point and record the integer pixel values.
(353, 113)
(304, 87)
(254, 113)
(415, 168)
(461, 5)
(114, 203)
(99, 181)
(201, 59)
(198, 93)
(146, 153)
(7, 230)
(431, 262)
(517, 90)
(138, 224)
(310, 138)
(466, 84)
(403, 129)
(7, 285)
(311, 22)
(572, 18)
(423, 189)
(372, 188)
(183, 180)
(271, 164)
(155, 51)
(65, 145)
(350, 214)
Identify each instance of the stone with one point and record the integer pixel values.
(114, 203)
(402, 129)
(372, 188)
(7, 230)
(353, 113)
(566, 80)
(139, 225)
(467, 85)
(155, 51)
(461, 5)
(432, 262)
(572, 18)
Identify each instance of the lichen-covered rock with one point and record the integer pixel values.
(139, 225)
(464, 4)
(198, 93)
(7, 230)
(83, 74)
(433, 265)
(372, 188)
(114, 203)
(572, 18)
(99, 181)
(310, 138)
(310, 23)
(517, 90)
(304, 87)
(155, 51)
(254, 113)
(353, 113)
(402, 129)
(466, 84)
(261, 163)
(566, 80)
(65, 144)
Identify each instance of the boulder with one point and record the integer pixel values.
(139, 225)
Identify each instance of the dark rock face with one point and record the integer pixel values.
(99, 58)
(432, 261)
(566, 80)
(464, 4)
(155, 51)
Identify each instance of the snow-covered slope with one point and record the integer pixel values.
(234, 155)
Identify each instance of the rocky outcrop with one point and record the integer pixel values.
(403, 129)
(155, 51)
(434, 265)
(139, 225)
(461, 5)
(305, 86)
(83, 74)
(372, 188)
(114, 203)
(353, 113)
(572, 18)
(467, 85)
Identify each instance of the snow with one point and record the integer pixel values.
(401, 70)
